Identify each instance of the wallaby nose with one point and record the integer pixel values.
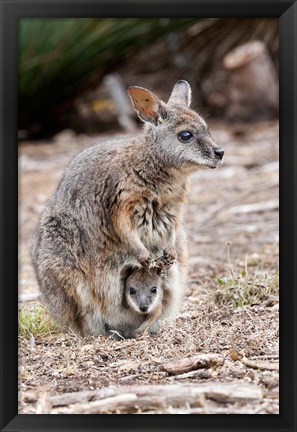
(219, 152)
(143, 308)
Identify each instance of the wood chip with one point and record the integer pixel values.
(234, 355)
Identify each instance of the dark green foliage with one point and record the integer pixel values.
(58, 57)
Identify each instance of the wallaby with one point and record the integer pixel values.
(120, 203)
(143, 294)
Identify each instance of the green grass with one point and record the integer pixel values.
(60, 58)
(35, 322)
(246, 291)
(57, 57)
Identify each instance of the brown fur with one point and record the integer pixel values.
(120, 203)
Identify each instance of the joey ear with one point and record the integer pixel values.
(147, 105)
(159, 271)
(126, 271)
(181, 93)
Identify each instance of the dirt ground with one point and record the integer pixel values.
(230, 308)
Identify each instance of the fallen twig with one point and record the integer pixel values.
(268, 356)
(262, 366)
(271, 301)
(145, 397)
(188, 364)
(255, 207)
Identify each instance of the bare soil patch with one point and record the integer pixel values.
(230, 308)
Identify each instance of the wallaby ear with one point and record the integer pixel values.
(126, 271)
(181, 94)
(159, 271)
(147, 105)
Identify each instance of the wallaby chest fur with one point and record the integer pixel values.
(119, 203)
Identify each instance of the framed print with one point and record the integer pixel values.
(148, 183)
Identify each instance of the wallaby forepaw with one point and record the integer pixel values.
(144, 259)
(155, 328)
(169, 257)
(137, 333)
(153, 332)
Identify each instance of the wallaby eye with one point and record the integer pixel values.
(185, 136)
(154, 290)
(132, 291)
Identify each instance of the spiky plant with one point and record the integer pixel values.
(58, 57)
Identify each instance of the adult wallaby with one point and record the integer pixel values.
(120, 203)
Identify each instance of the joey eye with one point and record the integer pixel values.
(154, 290)
(132, 291)
(185, 136)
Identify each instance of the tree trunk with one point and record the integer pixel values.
(252, 83)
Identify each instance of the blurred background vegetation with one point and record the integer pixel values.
(63, 64)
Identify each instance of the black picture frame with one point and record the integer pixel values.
(11, 12)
